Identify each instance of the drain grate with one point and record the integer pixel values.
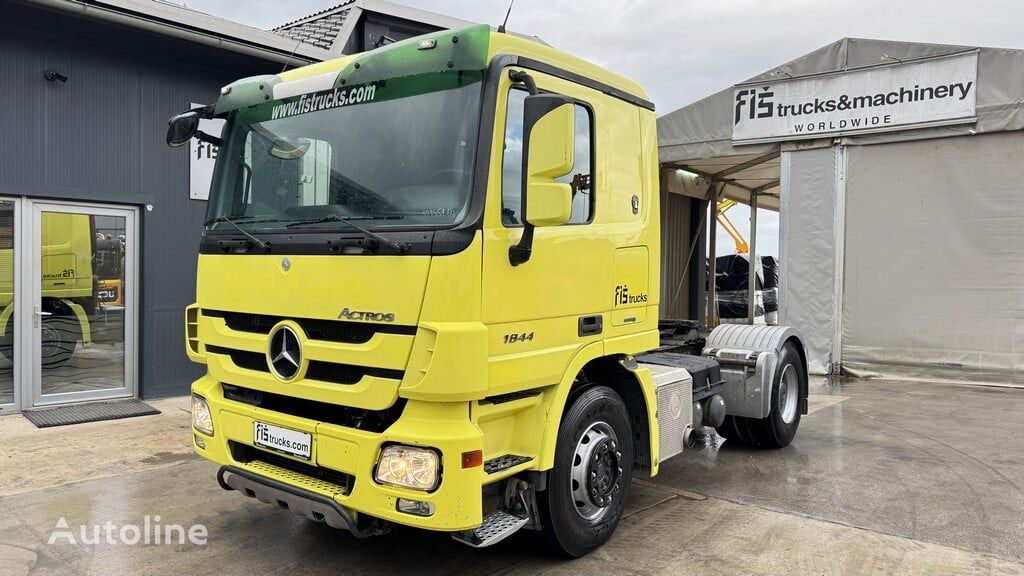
(88, 412)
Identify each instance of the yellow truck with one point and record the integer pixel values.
(68, 287)
(428, 293)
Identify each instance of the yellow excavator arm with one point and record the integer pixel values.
(730, 228)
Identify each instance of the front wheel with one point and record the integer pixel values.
(588, 487)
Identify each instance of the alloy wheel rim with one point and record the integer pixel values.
(788, 394)
(596, 471)
(51, 340)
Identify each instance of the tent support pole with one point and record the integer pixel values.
(712, 318)
(839, 261)
(697, 270)
(752, 274)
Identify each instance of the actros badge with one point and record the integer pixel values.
(366, 316)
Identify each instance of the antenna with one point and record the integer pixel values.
(290, 56)
(501, 28)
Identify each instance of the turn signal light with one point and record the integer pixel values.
(472, 459)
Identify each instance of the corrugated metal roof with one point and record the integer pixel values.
(320, 29)
(174, 20)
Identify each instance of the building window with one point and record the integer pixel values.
(512, 164)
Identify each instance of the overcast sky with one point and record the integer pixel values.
(684, 50)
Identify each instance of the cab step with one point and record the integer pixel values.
(497, 526)
(505, 462)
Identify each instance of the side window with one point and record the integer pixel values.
(512, 164)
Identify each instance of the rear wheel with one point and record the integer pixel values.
(588, 487)
(778, 428)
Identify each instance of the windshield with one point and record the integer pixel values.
(398, 152)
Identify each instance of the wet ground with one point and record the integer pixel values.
(883, 478)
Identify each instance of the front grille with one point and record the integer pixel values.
(315, 328)
(332, 372)
(242, 358)
(347, 373)
(245, 454)
(359, 418)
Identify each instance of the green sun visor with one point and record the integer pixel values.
(440, 56)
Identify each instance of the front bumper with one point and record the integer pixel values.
(445, 427)
(298, 500)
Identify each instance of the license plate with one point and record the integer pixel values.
(282, 439)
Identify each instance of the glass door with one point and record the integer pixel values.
(9, 396)
(83, 302)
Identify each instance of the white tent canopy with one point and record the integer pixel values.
(875, 226)
(698, 137)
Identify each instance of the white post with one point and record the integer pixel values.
(839, 260)
(752, 275)
(712, 320)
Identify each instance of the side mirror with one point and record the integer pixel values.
(548, 145)
(181, 128)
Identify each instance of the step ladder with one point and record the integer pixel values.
(497, 526)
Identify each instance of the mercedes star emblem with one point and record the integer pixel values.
(286, 263)
(285, 353)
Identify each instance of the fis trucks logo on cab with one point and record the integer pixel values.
(366, 316)
(623, 297)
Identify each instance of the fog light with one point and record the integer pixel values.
(408, 467)
(200, 441)
(415, 507)
(202, 420)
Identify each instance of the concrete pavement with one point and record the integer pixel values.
(875, 483)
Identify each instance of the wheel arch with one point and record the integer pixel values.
(631, 382)
(5, 318)
(84, 329)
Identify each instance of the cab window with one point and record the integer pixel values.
(310, 177)
(581, 175)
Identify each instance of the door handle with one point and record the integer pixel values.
(590, 325)
(37, 314)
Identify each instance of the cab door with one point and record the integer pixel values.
(541, 312)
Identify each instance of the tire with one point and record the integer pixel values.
(734, 428)
(579, 516)
(777, 429)
(59, 339)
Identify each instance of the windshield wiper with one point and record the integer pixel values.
(236, 219)
(261, 243)
(400, 247)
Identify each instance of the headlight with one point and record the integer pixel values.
(408, 467)
(202, 420)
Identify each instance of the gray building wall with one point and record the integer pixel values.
(100, 138)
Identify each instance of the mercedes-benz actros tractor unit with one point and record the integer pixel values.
(428, 294)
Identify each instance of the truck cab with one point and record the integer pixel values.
(426, 284)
